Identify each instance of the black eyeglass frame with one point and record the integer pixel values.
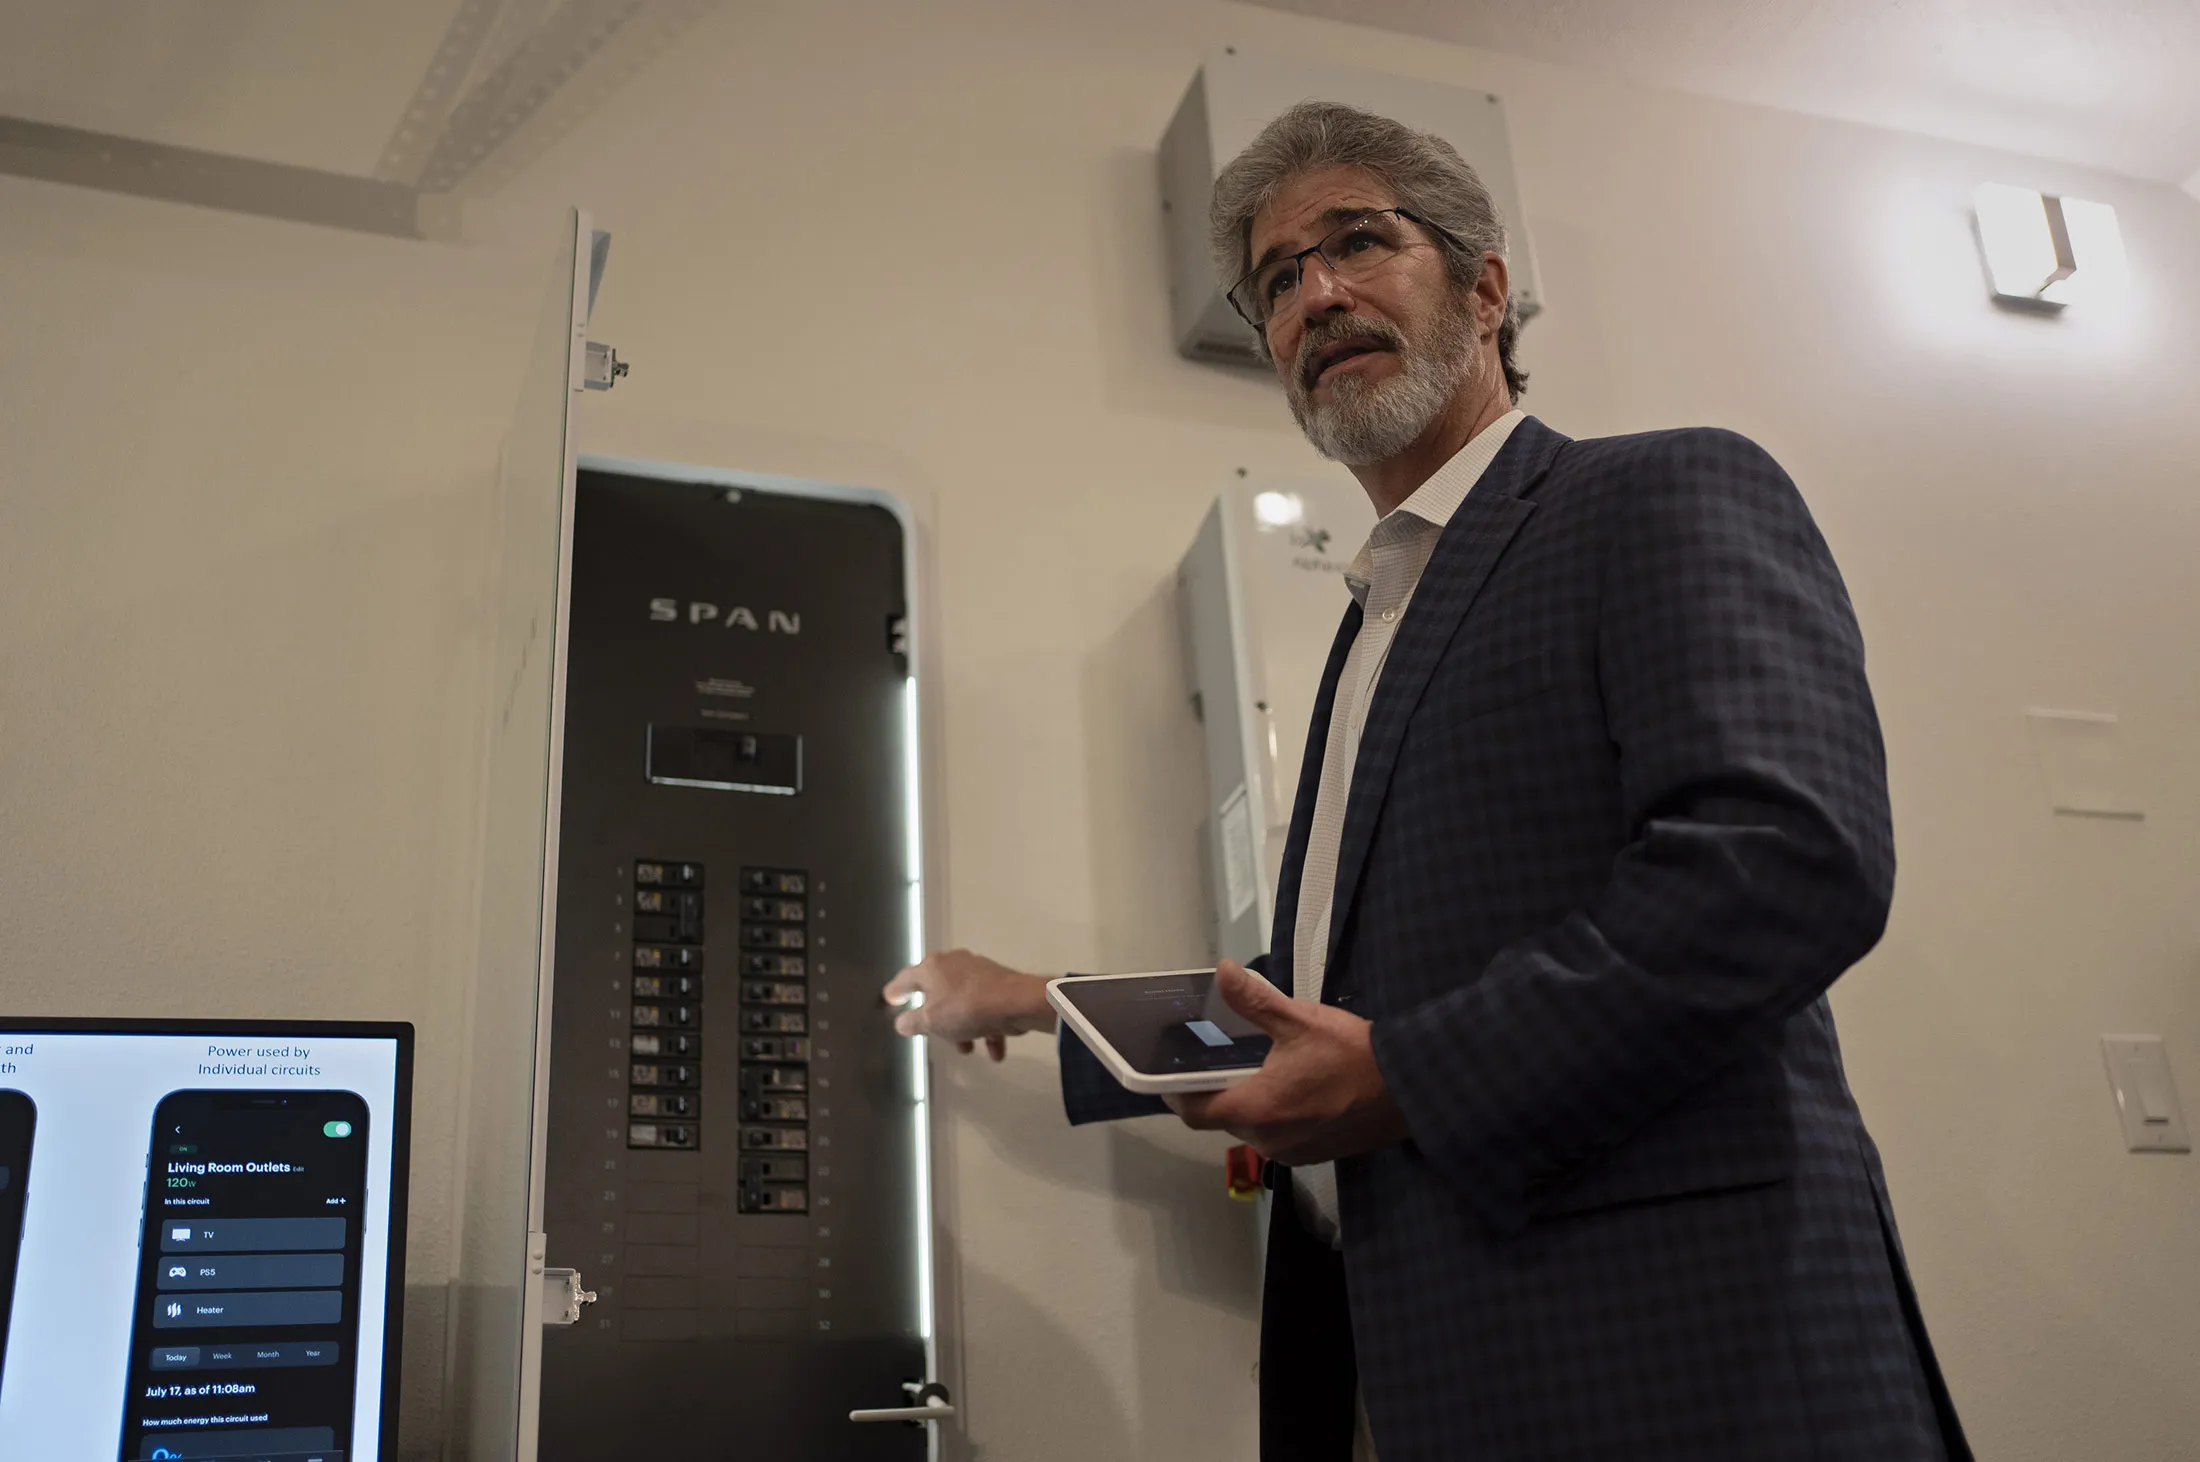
(1298, 261)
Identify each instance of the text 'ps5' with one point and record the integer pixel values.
(735, 1147)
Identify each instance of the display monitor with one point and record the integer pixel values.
(204, 1225)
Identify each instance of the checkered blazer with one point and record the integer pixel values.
(1618, 821)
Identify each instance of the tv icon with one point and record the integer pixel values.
(179, 1235)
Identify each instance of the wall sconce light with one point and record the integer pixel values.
(2045, 252)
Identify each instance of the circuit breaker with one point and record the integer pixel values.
(732, 1158)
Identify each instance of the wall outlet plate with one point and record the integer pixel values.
(2146, 1097)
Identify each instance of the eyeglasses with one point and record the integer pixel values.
(1353, 251)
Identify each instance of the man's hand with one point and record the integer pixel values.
(968, 998)
(1318, 1096)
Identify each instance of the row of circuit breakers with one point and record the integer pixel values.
(664, 1102)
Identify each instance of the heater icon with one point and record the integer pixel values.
(174, 1309)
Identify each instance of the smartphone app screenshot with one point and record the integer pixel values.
(18, 1123)
(248, 1277)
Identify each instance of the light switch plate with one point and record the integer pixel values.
(2081, 757)
(2146, 1097)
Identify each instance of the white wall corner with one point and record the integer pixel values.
(2192, 185)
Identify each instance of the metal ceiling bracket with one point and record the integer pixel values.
(441, 87)
(519, 85)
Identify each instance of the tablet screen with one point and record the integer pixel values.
(1169, 1024)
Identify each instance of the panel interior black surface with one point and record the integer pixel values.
(731, 1153)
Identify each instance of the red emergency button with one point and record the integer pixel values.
(1241, 1172)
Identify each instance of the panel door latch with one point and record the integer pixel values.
(562, 1296)
(603, 367)
(928, 1401)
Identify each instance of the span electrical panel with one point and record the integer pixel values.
(732, 1162)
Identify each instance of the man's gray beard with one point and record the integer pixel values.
(1368, 421)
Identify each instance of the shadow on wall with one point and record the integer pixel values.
(1205, 1246)
(1146, 790)
(1578, 400)
(1085, 1417)
(1178, 1239)
(420, 1398)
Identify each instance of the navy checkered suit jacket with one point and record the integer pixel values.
(1619, 819)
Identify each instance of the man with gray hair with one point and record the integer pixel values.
(1594, 810)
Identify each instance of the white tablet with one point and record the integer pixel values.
(1160, 1033)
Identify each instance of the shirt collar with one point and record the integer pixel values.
(1435, 501)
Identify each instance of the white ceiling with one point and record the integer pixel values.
(2110, 83)
(313, 84)
(409, 90)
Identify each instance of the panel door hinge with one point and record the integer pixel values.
(562, 1296)
(603, 368)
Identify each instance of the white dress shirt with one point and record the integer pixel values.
(1382, 578)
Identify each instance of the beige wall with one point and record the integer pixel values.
(243, 476)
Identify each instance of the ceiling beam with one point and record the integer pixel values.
(72, 155)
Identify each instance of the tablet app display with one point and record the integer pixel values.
(1169, 1024)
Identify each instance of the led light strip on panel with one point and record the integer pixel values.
(919, 1085)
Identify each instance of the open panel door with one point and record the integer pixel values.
(495, 1328)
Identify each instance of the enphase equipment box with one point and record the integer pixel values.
(1234, 95)
(1261, 592)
